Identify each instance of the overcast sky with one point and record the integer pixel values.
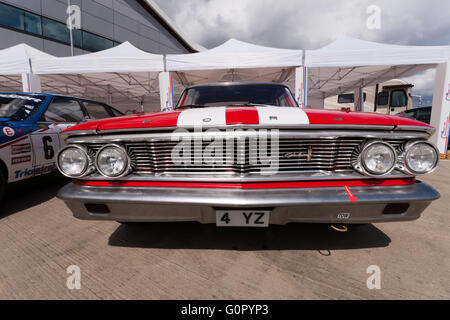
(301, 24)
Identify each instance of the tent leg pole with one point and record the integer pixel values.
(440, 112)
(166, 91)
(31, 83)
(300, 86)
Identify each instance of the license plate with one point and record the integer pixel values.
(241, 218)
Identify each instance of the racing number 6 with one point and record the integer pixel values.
(49, 152)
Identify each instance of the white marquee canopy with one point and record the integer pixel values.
(129, 76)
(17, 59)
(121, 74)
(348, 63)
(234, 60)
(15, 62)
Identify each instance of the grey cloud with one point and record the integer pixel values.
(309, 24)
(305, 24)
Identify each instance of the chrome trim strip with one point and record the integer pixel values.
(429, 130)
(67, 134)
(256, 126)
(312, 176)
(321, 134)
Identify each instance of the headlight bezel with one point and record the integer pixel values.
(361, 159)
(408, 148)
(126, 168)
(87, 169)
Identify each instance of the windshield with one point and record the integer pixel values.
(229, 95)
(19, 107)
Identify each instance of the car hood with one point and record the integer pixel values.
(262, 116)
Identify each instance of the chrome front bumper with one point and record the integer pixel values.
(312, 205)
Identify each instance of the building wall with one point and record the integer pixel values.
(116, 20)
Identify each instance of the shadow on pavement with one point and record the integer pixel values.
(30, 192)
(289, 237)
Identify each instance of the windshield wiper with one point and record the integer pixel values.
(251, 104)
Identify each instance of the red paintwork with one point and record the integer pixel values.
(146, 120)
(155, 119)
(242, 115)
(250, 185)
(89, 125)
(321, 116)
(247, 115)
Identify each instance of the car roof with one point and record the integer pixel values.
(52, 95)
(28, 93)
(225, 84)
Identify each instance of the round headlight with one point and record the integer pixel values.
(112, 161)
(421, 157)
(73, 161)
(378, 158)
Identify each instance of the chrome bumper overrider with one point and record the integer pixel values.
(321, 205)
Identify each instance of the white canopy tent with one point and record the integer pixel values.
(234, 60)
(16, 67)
(122, 74)
(16, 60)
(349, 63)
(125, 73)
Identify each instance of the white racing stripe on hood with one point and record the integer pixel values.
(282, 116)
(213, 116)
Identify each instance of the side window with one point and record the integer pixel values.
(383, 98)
(115, 112)
(424, 115)
(349, 97)
(96, 110)
(63, 110)
(398, 98)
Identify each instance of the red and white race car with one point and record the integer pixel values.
(244, 154)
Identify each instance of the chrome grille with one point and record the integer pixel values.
(330, 155)
(154, 157)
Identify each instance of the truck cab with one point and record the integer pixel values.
(390, 97)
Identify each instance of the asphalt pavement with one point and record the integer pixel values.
(40, 239)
